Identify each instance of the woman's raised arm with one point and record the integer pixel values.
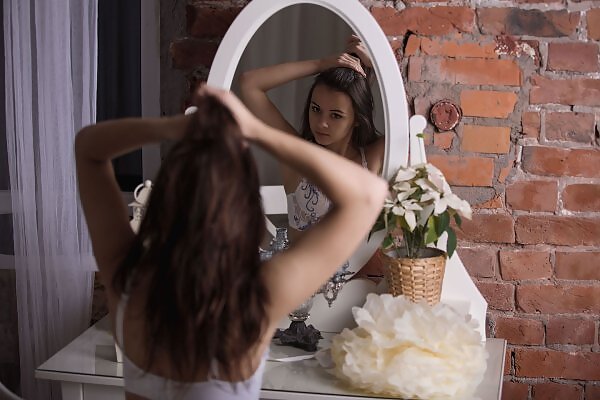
(255, 84)
(103, 205)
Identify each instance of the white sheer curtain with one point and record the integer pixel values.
(50, 78)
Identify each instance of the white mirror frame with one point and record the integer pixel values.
(395, 107)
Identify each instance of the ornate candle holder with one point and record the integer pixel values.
(332, 287)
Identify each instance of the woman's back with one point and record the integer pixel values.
(159, 381)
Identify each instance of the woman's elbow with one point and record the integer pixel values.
(249, 83)
(81, 142)
(378, 191)
(369, 195)
(245, 80)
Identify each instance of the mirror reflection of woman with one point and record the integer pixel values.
(338, 115)
(192, 307)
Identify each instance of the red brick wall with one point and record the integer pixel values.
(526, 74)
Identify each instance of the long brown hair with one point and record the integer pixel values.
(356, 86)
(198, 248)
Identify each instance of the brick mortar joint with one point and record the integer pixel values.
(569, 75)
(544, 318)
(483, 4)
(568, 349)
(553, 281)
(532, 382)
(555, 144)
(222, 4)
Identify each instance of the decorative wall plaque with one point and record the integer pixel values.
(445, 115)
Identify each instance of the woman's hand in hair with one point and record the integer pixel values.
(250, 126)
(344, 60)
(356, 46)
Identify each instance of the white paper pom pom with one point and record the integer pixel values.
(410, 350)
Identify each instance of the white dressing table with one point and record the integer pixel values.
(87, 369)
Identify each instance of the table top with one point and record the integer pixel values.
(91, 358)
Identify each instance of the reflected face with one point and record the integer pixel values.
(330, 115)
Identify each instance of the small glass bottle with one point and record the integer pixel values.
(280, 241)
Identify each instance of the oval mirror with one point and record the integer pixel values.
(357, 19)
(268, 32)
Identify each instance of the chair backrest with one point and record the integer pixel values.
(6, 394)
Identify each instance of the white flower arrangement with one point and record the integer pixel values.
(407, 349)
(421, 204)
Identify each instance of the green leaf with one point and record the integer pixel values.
(442, 222)
(457, 219)
(379, 225)
(431, 235)
(402, 223)
(421, 135)
(451, 244)
(387, 242)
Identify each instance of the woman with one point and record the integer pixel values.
(338, 115)
(192, 307)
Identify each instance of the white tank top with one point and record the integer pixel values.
(151, 386)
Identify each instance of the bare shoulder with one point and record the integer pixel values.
(375, 153)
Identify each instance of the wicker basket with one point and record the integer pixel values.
(417, 278)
